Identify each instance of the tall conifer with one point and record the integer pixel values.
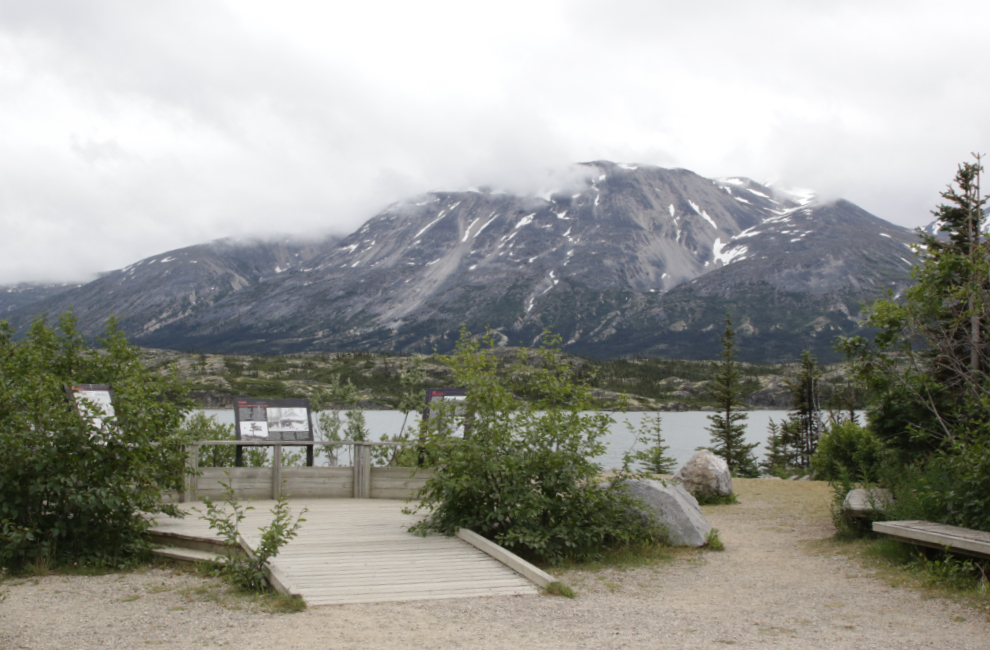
(728, 428)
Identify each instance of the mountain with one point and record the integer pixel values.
(15, 296)
(634, 260)
(167, 288)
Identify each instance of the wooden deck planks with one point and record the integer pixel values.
(359, 551)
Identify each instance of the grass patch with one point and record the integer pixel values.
(717, 499)
(214, 589)
(279, 603)
(713, 542)
(559, 589)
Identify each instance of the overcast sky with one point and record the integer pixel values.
(131, 128)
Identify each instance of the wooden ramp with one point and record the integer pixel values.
(359, 551)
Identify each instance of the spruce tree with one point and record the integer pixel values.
(778, 457)
(653, 457)
(804, 427)
(728, 428)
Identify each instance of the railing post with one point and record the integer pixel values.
(277, 472)
(190, 474)
(362, 471)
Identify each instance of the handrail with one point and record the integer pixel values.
(362, 460)
(303, 443)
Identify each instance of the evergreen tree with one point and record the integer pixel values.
(728, 428)
(957, 270)
(778, 458)
(653, 457)
(926, 369)
(804, 426)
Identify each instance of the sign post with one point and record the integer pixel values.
(273, 420)
(94, 402)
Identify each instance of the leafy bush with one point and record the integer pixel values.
(248, 571)
(71, 491)
(952, 487)
(523, 475)
(847, 445)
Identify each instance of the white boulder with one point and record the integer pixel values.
(705, 473)
(675, 509)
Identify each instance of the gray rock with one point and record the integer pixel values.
(705, 473)
(771, 478)
(862, 502)
(675, 508)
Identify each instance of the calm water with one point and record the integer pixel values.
(682, 432)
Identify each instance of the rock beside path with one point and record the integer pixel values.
(861, 502)
(675, 508)
(705, 474)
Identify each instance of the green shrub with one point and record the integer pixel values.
(523, 475)
(71, 492)
(846, 445)
(247, 572)
(952, 487)
(200, 426)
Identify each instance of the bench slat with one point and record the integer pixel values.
(926, 533)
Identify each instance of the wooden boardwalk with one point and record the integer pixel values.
(359, 551)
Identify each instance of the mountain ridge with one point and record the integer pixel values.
(634, 260)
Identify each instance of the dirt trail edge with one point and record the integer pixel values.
(771, 587)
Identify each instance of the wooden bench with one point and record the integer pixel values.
(925, 533)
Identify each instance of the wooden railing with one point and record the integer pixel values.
(359, 481)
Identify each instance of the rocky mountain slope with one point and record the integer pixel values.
(634, 260)
(163, 289)
(15, 296)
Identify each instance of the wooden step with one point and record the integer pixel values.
(186, 555)
(204, 542)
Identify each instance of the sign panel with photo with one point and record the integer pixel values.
(435, 395)
(272, 419)
(92, 401)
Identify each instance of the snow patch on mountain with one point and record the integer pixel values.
(726, 257)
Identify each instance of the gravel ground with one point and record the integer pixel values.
(773, 586)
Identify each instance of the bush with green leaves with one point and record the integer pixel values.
(71, 491)
(847, 445)
(951, 487)
(246, 569)
(523, 474)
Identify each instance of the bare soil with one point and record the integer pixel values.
(776, 585)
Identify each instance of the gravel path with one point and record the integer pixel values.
(773, 586)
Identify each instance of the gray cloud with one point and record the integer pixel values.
(130, 128)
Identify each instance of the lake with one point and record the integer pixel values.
(683, 432)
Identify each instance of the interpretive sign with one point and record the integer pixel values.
(273, 419)
(94, 402)
(435, 395)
